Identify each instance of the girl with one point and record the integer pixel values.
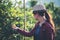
(44, 28)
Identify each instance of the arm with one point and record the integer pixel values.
(31, 33)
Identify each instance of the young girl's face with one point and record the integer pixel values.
(36, 16)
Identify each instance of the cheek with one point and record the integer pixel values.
(36, 16)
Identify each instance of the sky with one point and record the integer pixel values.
(56, 2)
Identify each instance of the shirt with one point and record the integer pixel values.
(37, 33)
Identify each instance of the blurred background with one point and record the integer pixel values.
(19, 12)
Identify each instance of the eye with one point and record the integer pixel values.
(34, 12)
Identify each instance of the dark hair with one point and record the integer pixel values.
(47, 16)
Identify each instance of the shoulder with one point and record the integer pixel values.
(47, 26)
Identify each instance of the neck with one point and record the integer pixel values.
(41, 20)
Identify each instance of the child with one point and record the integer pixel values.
(44, 28)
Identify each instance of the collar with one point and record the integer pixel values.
(41, 23)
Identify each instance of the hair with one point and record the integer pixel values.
(47, 16)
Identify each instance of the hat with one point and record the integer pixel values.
(39, 7)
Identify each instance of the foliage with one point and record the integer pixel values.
(12, 14)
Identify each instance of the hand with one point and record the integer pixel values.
(14, 26)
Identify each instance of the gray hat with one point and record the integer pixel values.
(39, 7)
